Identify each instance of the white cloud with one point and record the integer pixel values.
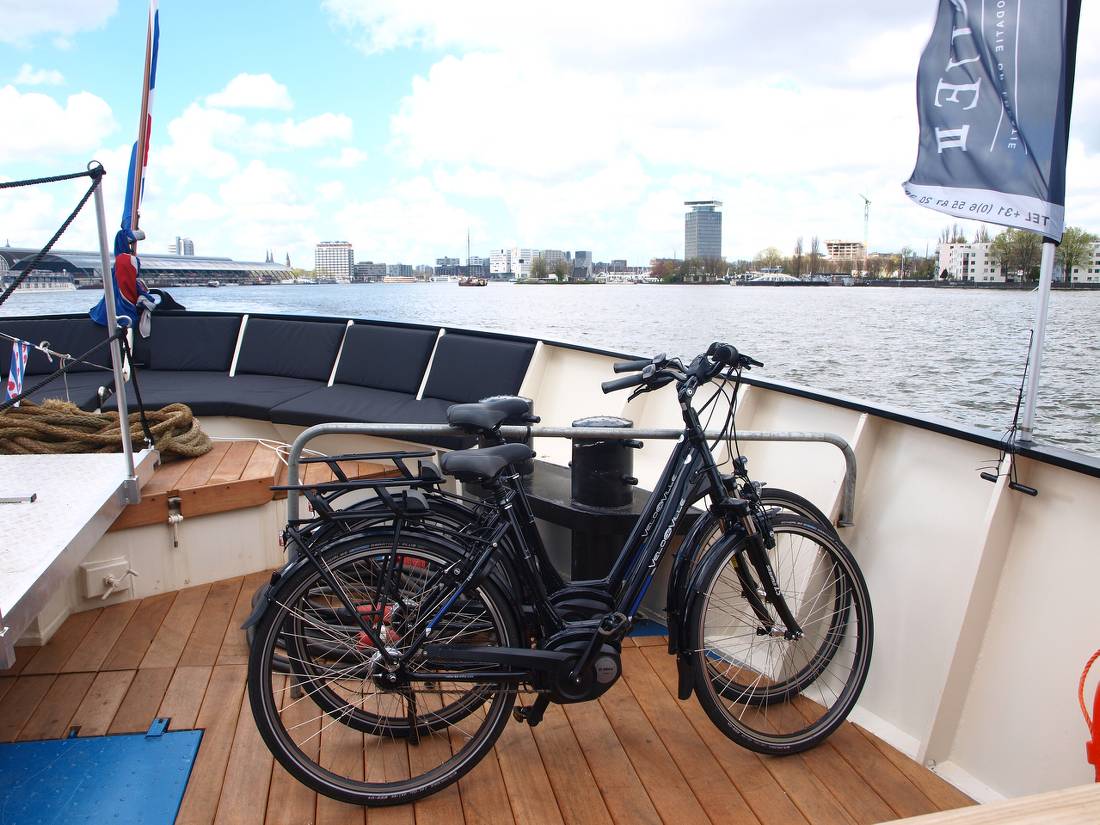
(197, 141)
(305, 134)
(331, 190)
(23, 21)
(39, 126)
(30, 76)
(252, 91)
(349, 158)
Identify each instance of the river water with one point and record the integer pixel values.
(952, 354)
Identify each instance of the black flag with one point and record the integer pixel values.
(993, 99)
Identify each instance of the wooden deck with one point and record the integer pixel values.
(635, 756)
(232, 476)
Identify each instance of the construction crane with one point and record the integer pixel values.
(866, 222)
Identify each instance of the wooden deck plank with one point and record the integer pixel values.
(234, 462)
(142, 700)
(218, 716)
(183, 698)
(53, 655)
(668, 789)
(289, 802)
(102, 702)
(205, 642)
(895, 788)
(341, 751)
(394, 756)
(198, 474)
(713, 788)
(262, 464)
(50, 719)
(483, 792)
(767, 799)
(130, 648)
(175, 630)
(167, 476)
(101, 637)
(623, 792)
(578, 796)
(525, 777)
(943, 794)
(234, 649)
(636, 755)
(20, 703)
(23, 656)
(443, 806)
(247, 775)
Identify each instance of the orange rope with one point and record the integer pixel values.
(1081, 689)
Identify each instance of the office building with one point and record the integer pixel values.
(703, 230)
(334, 259)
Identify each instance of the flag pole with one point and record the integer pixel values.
(143, 131)
(1046, 274)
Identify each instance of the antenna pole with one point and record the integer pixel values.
(1046, 274)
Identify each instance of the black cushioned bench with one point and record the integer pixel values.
(283, 368)
(72, 336)
(189, 358)
(380, 373)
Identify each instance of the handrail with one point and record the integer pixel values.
(848, 491)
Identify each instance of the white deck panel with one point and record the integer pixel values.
(42, 542)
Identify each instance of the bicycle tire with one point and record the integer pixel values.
(746, 701)
(312, 764)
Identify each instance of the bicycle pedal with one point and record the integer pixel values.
(532, 714)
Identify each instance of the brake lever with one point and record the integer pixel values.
(637, 391)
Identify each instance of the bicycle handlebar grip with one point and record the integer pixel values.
(723, 353)
(631, 366)
(622, 383)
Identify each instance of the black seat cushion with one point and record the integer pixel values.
(81, 388)
(215, 393)
(72, 336)
(190, 343)
(365, 405)
(486, 463)
(386, 358)
(291, 349)
(471, 367)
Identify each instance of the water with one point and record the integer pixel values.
(951, 354)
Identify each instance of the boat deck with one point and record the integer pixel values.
(637, 755)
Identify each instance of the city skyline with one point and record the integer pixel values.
(351, 131)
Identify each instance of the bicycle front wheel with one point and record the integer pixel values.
(767, 692)
(344, 722)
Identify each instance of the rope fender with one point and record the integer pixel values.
(61, 427)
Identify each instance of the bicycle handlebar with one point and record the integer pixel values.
(622, 383)
(632, 366)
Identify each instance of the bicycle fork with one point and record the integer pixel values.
(756, 554)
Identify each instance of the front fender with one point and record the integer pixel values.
(690, 591)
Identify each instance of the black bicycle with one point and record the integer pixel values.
(407, 648)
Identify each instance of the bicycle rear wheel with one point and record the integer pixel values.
(346, 724)
(769, 693)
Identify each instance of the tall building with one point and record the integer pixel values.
(970, 262)
(182, 246)
(447, 262)
(582, 264)
(334, 259)
(703, 230)
(369, 271)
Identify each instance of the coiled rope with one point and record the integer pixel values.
(61, 427)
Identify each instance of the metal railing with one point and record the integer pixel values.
(415, 431)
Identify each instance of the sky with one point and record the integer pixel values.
(400, 126)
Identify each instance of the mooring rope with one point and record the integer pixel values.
(61, 427)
